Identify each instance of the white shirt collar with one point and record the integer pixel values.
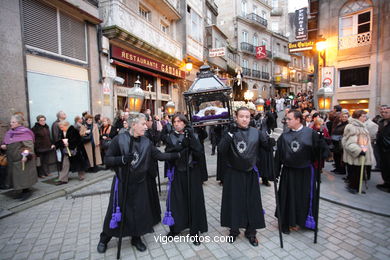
(299, 129)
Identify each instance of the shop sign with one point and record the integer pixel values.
(261, 52)
(301, 24)
(106, 88)
(217, 52)
(133, 58)
(301, 46)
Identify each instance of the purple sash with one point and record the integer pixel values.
(116, 211)
(310, 222)
(168, 218)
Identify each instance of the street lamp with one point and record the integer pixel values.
(135, 97)
(324, 100)
(321, 46)
(259, 103)
(188, 65)
(170, 107)
(248, 95)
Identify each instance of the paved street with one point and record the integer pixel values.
(69, 229)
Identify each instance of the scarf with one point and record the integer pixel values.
(18, 134)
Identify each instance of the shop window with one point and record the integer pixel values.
(47, 29)
(354, 77)
(164, 86)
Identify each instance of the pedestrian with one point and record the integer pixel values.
(372, 130)
(98, 120)
(383, 142)
(74, 158)
(124, 127)
(43, 146)
(131, 154)
(186, 199)
(202, 135)
(241, 199)
(354, 149)
(297, 150)
(336, 136)
(19, 145)
(55, 130)
(91, 140)
(107, 133)
(118, 121)
(78, 122)
(167, 128)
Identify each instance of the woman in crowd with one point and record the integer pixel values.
(78, 122)
(337, 134)
(124, 127)
(73, 152)
(107, 132)
(91, 140)
(19, 145)
(356, 148)
(43, 145)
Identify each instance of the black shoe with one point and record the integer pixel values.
(61, 183)
(353, 191)
(287, 232)
(253, 241)
(266, 184)
(4, 187)
(232, 238)
(25, 195)
(196, 240)
(137, 242)
(101, 248)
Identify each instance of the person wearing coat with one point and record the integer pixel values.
(91, 139)
(19, 145)
(43, 146)
(107, 133)
(337, 134)
(74, 157)
(383, 143)
(357, 144)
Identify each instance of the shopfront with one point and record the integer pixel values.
(354, 104)
(157, 79)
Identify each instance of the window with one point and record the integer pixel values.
(285, 49)
(209, 18)
(355, 24)
(244, 36)
(275, 26)
(255, 40)
(304, 61)
(164, 27)
(164, 86)
(299, 76)
(264, 68)
(355, 76)
(218, 43)
(255, 66)
(278, 47)
(295, 62)
(255, 9)
(145, 13)
(275, 3)
(264, 14)
(243, 8)
(245, 63)
(47, 29)
(196, 31)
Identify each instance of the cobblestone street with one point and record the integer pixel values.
(69, 229)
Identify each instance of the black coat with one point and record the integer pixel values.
(42, 138)
(241, 199)
(78, 162)
(179, 187)
(265, 162)
(139, 218)
(202, 134)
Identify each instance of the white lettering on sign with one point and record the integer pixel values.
(217, 52)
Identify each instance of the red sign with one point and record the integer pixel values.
(130, 57)
(261, 53)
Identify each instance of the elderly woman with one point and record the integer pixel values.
(91, 140)
(19, 144)
(73, 153)
(107, 132)
(356, 147)
(43, 145)
(337, 134)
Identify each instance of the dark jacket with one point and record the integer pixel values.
(42, 138)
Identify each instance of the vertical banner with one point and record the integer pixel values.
(327, 79)
(261, 52)
(301, 24)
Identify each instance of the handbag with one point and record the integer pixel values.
(3, 160)
(73, 152)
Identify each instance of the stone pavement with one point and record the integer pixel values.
(69, 229)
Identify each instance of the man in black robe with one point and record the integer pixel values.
(185, 199)
(131, 154)
(297, 149)
(241, 199)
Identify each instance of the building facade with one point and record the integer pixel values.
(357, 57)
(50, 60)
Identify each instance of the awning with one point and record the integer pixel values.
(142, 70)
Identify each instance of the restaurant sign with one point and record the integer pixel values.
(130, 57)
(301, 46)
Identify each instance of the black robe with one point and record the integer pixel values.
(296, 151)
(139, 218)
(221, 165)
(202, 134)
(265, 160)
(241, 199)
(152, 185)
(179, 186)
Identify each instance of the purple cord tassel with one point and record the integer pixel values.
(168, 218)
(310, 222)
(116, 210)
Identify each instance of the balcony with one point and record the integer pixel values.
(211, 4)
(256, 73)
(169, 8)
(265, 75)
(254, 18)
(269, 54)
(246, 72)
(281, 56)
(247, 47)
(231, 64)
(121, 22)
(356, 40)
(277, 11)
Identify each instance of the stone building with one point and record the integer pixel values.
(357, 34)
(50, 58)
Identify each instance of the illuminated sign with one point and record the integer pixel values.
(301, 46)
